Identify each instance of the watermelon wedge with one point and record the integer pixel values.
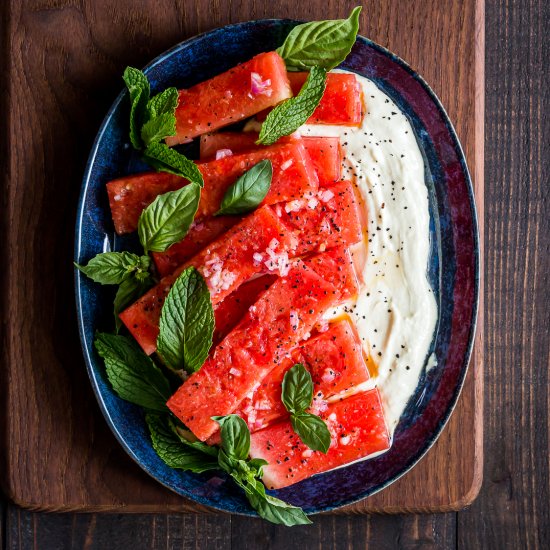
(229, 97)
(293, 176)
(357, 427)
(324, 152)
(271, 328)
(225, 264)
(335, 361)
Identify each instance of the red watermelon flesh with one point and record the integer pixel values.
(225, 264)
(357, 427)
(271, 328)
(239, 93)
(324, 152)
(335, 361)
(293, 177)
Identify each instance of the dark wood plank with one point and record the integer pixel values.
(65, 61)
(512, 510)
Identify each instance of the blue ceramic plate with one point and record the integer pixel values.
(454, 246)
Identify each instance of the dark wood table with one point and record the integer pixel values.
(512, 510)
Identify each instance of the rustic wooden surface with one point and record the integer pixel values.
(64, 69)
(512, 510)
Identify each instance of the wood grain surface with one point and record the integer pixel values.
(512, 509)
(64, 65)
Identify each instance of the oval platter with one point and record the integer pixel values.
(453, 269)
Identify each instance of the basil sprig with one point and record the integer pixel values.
(249, 190)
(289, 115)
(233, 459)
(297, 395)
(320, 43)
(186, 323)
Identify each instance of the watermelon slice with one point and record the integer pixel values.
(225, 264)
(324, 152)
(271, 328)
(335, 361)
(229, 97)
(293, 176)
(332, 218)
(357, 427)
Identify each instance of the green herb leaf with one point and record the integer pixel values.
(164, 159)
(320, 43)
(312, 431)
(184, 435)
(138, 87)
(128, 292)
(133, 375)
(289, 115)
(186, 323)
(158, 128)
(165, 102)
(167, 220)
(175, 453)
(235, 436)
(249, 190)
(273, 509)
(112, 268)
(297, 389)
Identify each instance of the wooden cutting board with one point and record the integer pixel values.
(62, 62)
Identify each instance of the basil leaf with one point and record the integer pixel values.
(112, 268)
(312, 431)
(164, 159)
(186, 323)
(138, 87)
(165, 102)
(257, 464)
(167, 220)
(235, 436)
(289, 115)
(173, 452)
(273, 509)
(320, 43)
(297, 389)
(133, 375)
(128, 292)
(197, 445)
(158, 128)
(249, 190)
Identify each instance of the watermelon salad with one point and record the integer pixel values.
(247, 328)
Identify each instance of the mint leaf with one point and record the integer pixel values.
(273, 509)
(167, 219)
(165, 102)
(296, 395)
(138, 87)
(297, 389)
(320, 43)
(173, 452)
(133, 375)
(289, 115)
(235, 436)
(112, 268)
(164, 159)
(158, 128)
(128, 292)
(186, 323)
(249, 190)
(312, 431)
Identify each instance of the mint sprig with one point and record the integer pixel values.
(249, 190)
(320, 43)
(186, 323)
(168, 218)
(133, 375)
(289, 115)
(139, 90)
(297, 395)
(233, 459)
(164, 159)
(112, 268)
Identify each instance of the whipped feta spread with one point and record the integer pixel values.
(395, 312)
